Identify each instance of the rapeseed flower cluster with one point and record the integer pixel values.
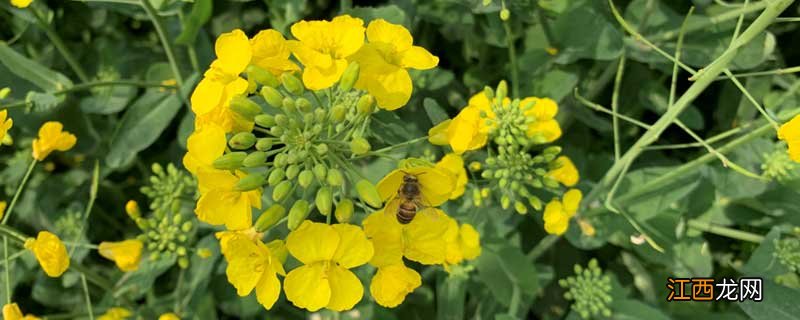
(287, 118)
(519, 160)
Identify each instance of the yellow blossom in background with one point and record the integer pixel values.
(252, 266)
(12, 311)
(392, 283)
(51, 138)
(220, 203)
(557, 213)
(132, 209)
(454, 165)
(204, 253)
(384, 61)
(126, 254)
(203, 147)
(169, 316)
(21, 3)
(790, 132)
(50, 252)
(116, 313)
(545, 125)
(436, 185)
(271, 52)
(463, 243)
(564, 172)
(324, 46)
(2, 209)
(327, 252)
(5, 124)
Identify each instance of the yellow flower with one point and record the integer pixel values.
(125, 254)
(11, 311)
(463, 243)
(384, 61)
(5, 123)
(790, 132)
(116, 313)
(220, 202)
(392, 283)
(221, 81)
(564, 172)
(557, 214)
(21, 3)
(454, 165)
(544, 125)
(271, 53)
(2, 209)
(436, 186)
(467, 131)
(323, 47)
(169, 316)
(438, 134)
(51, 137)
(50, 252)
(327, 252)
(252, 265)
(204, 146)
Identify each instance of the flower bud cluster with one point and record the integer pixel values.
(518, 174)
(589, 289)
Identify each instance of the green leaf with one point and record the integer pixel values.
(30, 70)
(201, 12)
(634, 309)
(654, 202)
(500, 267)
(390, 13)
(108, 100)
(451, 293)
(582, 32)
(763, 261)
(42, 102)
(138, 282)
(779, 303)
(434, 111)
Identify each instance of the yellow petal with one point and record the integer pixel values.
(380, 30)
(210, 178)
(313, 242)
(204, 146)
(5, 124)
(418, 58)
(790, 132)
(245, 265)
(392, 90)
(169, 316)
(233, 51)
(347, 34)
(346, 289)
(565, 172)
(463, 129)
(51, 138)
(354, 249)
(424, 237)
(126, 254)
(543, 108)
(268, 290)
(438, 134)
(549, 130)
(572, 201)
(21, 3)
(386, 235)
(436, 185)
(11, 311)
(391, 284)
(555, 220)
(219, 206)
(50, 252)
(206, 96)
(308, 287)
(388, 186)
(271, 52)
(453, 164)
(116, 313)
(316, 78)
(470, 241)
(2, 209)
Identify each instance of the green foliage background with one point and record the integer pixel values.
(127, 128)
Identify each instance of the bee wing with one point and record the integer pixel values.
(424, 207)
(392, 206)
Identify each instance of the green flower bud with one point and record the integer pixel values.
(230, 161)
(303, 104)
(550, 182)
(282, 120)
(264, 144)
(292, 171)
(520, 207)
(324, 200)
(305, 178)
(321, 149)
(262, 76)
(504, 14)
(297, 214)
(242, 140)
(292, 84)
(349, 77)
(275, 177)
(183, 262)
(368, 193)
(502, 92)
(272, 96)
(255, 159)
(281, 191)
(365, 104)
(155, 255)
(245, 107)
(338, 113)
(319, 115)
(270, 217)
(187, 226)
(359, 146)
(320, 171)
(505, 201)
(335, 177)
(535, 202)
(344, 210)
(540, 171)
(251, 182)
(288, 104)
(276, 131)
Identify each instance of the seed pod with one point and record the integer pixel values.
(520, 207)
(292, 84)
(230, 161)
(292, 171)
(281, 191)
(349, 77)
(297, 214)
(270, 217)
(288, 104)
(344, 211)
(359, 146)
(335, 177)
(365, 104)
(262, 76)
(272, 96)
(242, 140)
(264, 144)
(320, 171)
(245, 107)
(251, 182)
(255, 159)
(338, 113)
(368, 193)
(305, 178)
(265, 120)
(324, 200)
(275, 177)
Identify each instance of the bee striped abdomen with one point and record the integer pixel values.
(406, 212)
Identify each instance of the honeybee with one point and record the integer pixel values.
(409, 200)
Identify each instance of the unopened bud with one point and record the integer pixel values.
(321, 149)
(265, 120)
(251, 182)
(297, 214)
(275, 177)
(368, 193)
(288, 104)
(242, 140)
(520, 207)
(305, 178)
(535, 202)
(292, 171)
(230, 161)
(255, 159)
(262, 76)
(272, 96)
(245, 107)
(338, 113)
(264, 144)
(324, 200)
(320, 171)
(303, 104)
(281, 191)
(292, 84)
(349, 77)
(365, 104)
(359, 146)
(131, 208)
(270, 217)
(344, 211)
(502, 92)
(504, 14)
(335, 177)
(505, 201)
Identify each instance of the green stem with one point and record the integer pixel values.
(703, 24)
(93, 84)
(19, 192)
(86, 296)
(12, 233)
(763, 73)
(615, 104)
(512, 59)
(190, 48)
(709, 227)
(543, 245)
(7, 267)
(392, 147)
(513, 306)
(60, 46)
(162, 35)
(92, 198)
